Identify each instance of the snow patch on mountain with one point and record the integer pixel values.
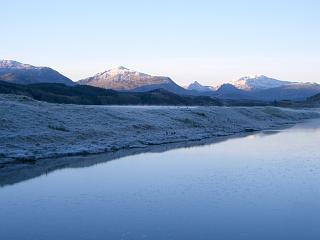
(14, 64)
(257, 82)
(122, 78)
(20, 73)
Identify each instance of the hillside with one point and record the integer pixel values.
(88, 95)
(314, 98)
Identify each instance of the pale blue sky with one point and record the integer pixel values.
(207, 41)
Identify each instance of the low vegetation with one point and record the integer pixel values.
(88, 95)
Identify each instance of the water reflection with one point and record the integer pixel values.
(257, 187)
(14, 173)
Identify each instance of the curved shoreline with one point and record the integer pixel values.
(44, 137)
(15, 173)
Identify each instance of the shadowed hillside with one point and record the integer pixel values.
(83, 94)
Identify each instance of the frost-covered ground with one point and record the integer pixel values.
(31, 130)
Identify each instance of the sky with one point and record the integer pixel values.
(206, 41)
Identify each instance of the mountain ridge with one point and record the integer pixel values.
(124, 79)
(260, 87)
(16, 72)
(257, 87)
(196, 86)
(258, 82)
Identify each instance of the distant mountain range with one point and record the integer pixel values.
(258, 87)
(16, 72)
(250, 87)
(263, 88)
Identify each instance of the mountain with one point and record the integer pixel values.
(196, 86)
(84, 94)
(291, 91)
(263, 88)
(124, 79)
(228, 91)
(314, 98)
(16, 72)
(258, 82)
(260, 91)
(258, 87)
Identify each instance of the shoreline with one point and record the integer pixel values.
(13, 174)
(44, 137)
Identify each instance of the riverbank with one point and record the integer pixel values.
(31, 130)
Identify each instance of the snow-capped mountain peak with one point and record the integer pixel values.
(252, 76)
(13, 64)
(122, 68)
(16, 72)
(122, 78)
(257, 82)
(120, 71)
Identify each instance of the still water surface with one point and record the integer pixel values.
(263, 186)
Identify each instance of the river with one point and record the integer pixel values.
(262, 186)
